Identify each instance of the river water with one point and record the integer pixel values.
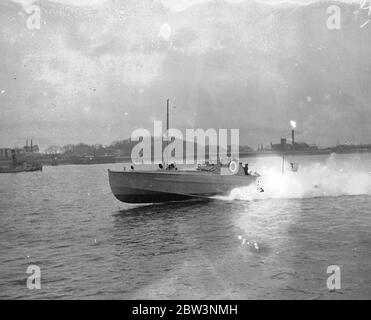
(249, 245)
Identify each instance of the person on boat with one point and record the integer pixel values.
(171, 166)
(246, 169)
(14, 159)
(294, 166)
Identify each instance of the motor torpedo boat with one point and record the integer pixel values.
(171, 184)
(167, 183)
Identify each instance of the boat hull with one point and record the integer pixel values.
(130, 195)
(164, 186)
(21, 169)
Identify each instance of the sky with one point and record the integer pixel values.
(98, 69)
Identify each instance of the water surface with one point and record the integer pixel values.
(250, 245)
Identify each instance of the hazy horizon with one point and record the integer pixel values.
(99, 69)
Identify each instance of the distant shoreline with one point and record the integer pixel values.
(46, 160)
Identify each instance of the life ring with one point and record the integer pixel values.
(233, 166)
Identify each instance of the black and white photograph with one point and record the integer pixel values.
(194, 150)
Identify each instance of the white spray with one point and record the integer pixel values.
(339, 175)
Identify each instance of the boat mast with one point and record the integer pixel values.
(167, 128)
(167, 118)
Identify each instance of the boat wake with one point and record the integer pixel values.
(332, 178)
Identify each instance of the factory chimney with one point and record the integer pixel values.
(31, 145)
(293, 126)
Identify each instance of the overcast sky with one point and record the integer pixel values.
(98, 69)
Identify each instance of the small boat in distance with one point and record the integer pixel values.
(23, 166)
(26, 168)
